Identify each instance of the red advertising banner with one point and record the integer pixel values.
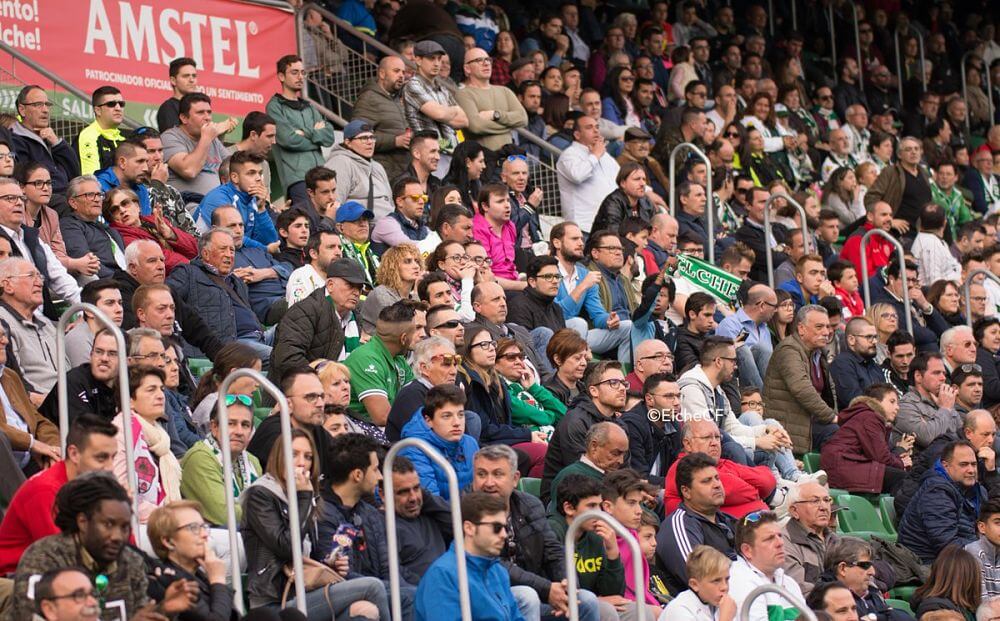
(130, 43)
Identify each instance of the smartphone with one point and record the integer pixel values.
(742, 336)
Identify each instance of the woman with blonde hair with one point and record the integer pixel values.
(397, 277)
(883, 316)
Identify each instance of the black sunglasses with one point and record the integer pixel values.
(448, 325)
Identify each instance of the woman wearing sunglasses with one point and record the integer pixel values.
(178, 534)
(487, 395)
(121, 210)
(531, 404)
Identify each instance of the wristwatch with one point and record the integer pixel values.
(496, 116)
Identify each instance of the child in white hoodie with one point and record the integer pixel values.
(933, 257)
(708, 598)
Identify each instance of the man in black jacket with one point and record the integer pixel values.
(146, 266)
(751, 233)
(84, 232)
(345, 514)
(535, 307)
(490, 303)
(423, 522)
(90, 387)
(654, 439)
(699, 322)
(607, 389)
(34, 141)
(533, 554)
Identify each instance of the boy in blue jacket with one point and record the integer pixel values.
(484, 525)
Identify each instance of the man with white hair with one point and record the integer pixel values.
(958, 347)
(904, 185)
(808, 533)
(32, 337)
(840, 155)
(434, 363)
(856, 130)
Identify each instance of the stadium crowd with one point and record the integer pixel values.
(713, 379)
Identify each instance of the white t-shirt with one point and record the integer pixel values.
(302, 282)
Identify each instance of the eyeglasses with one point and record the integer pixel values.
(244, 399)
(971, 368)
(310, 398)
(448, 360)
(614, 383)
(485, 60)
(866, 565)
(660, 356)
(40, 183)
(497, 526)
(35, 275)
(512, 356)
(461, 258)
(420, 198)
(125, 203)
(822, 500)
(90, 196)
(887, 316)
(38, 104)
(867, 337)
(105, 353)
(752, 404)
(482, 261)
(150, 356)
(13, 198)
(365, 138)
(485, 345)
(78, 596)
(448, 325)
(733, 359)
(195, 528)
(8, 156)
(114, 103)
(610, 248)
(549, 277)
(979, 298)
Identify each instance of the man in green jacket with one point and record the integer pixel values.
(302, 132)
(607, 446)
(201, 466)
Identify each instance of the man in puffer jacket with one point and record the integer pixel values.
(441, 423)
(945, 508)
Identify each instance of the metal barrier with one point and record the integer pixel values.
(123, 394)
(901, 255)
(337, 83)
(989, 90)
(899, 63)
(709, 203)
(456, 523)
(804, 610)
(965, 92)
(290, 491)
(571, 575)
(968, 294)
(857, 42)
(769, 250)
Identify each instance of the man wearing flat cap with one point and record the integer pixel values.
(359, 177)
(322, 325)
(428, 104)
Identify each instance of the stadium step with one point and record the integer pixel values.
(810, 462)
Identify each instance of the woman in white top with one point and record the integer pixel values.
(761, 117)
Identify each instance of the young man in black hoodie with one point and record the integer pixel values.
(535, 307)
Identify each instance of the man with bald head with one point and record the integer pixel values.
(607, 447)
(746, 487)
(651, 356)
(490, 304)
(380, 103)
(662, 242)
(493, 111)
(808, 533)
(751, 319)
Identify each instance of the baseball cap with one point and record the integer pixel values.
(356, 127)
(520, 62)
(348, 269)
(428, 48)
(636, 133)
(352, 211)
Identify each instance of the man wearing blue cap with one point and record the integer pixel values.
(359, 177)
(353, 224)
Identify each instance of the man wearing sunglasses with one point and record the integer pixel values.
(405, 225)
(761, 554)
(958, 347)
(98, 140)
(435, 364)
(849, 562)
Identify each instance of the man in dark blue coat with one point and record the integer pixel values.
(945, 508)
(854, 368)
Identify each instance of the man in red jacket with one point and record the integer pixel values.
(746, 487)
(879, 250)
(90, 446)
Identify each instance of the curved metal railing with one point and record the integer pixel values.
(967, 294)
(571, 576)
(901, 255)
(773, 588)
(768, 249)
(709, 203)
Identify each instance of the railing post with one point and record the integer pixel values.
(857, 44)
(923, 60)
(456, 523)
(773, 588)
(965, 92)
(770, 17)
(899, 67)
(123, 394)
(901, 256)
(833, 40)
(989, 93)
(709, 202)
(570, 559)
(806, 239)
(968, 295)
(290, 489)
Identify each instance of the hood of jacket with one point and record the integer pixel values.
(417, 428)
(341, 151)
(294, 104)
(859, 405)
(376, 89)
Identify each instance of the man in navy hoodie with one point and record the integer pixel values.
(484, 526)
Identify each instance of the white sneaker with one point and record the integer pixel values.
(819, 477)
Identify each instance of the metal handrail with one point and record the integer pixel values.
(901, 255)
(709, 203)
(57, 80)
(123, 394)
(857, 42)
(965, 92)
(833, 40)
(456, 523)
(989, 92)
(768, 250)
(968, 294)
(899, 63)
(570, 560)
(290, 490)
(773, 588)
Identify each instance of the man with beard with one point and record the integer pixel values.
(854, 368)
(166, 197)
(381, 101)
(323, 324)
(259, 135)
(90, 386)
(130, 170)
(324, 248)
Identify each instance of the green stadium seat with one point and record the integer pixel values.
(899, 605)
(531, 486)
(887, 507)
(860, 518)
(258, 398)
(904, 593)
(811, 462)
(199, 366)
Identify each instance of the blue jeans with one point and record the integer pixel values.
(341, 596)
(262, 347)
(540, 338)
(821, 433)
(533, 609)
(782, 461)
(407, 597)
(602, 341)
(748, 361)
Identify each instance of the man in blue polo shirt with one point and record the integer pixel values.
(752, 318)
